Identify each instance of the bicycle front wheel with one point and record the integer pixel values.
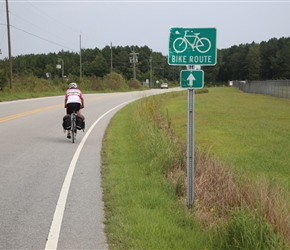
(203, 45)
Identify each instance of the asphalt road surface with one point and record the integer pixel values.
(51, 196)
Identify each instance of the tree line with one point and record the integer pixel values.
(267, 60)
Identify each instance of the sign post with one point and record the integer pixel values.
(192, 46)
(190, 148)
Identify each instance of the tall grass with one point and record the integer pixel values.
(32, 87)
(140, 203)
(222, 184)
(248, 230)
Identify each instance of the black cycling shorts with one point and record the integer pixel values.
(70, 107)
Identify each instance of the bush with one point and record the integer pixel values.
(96, 83)
(134, 84)
(3, 79)
(114, 81)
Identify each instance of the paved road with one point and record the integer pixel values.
(51, 196)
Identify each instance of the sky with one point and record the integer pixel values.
(50, 26)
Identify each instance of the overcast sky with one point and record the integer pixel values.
(44, 26)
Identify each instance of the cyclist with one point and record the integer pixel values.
(73, 100)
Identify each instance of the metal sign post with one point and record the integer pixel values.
(192, 46)
(190, 148)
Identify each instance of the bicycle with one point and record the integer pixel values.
(202, 44)
(73, 126)
(72, 122)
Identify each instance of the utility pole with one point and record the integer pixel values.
(80, 56)
(133, 60)
(111, 59)
(151, 83)
(9, 43)
(60, 66)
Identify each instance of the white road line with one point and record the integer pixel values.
(53, 235)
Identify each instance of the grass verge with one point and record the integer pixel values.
(140, 204)
(144, 184)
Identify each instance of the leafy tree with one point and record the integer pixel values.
(283, 60)
(107, 53)
(121, 61)
(101, 65)
(97, 67)
(267, 60)
(143, 62)
(253, 60)
(211, 73)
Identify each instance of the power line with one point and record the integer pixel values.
(43, 30)
(43, 38)
(3, 34)
(39, 11)
(3, 11)
(40, 28)
(57, 21)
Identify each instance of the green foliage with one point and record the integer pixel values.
(156, 144)
(267, 60)
(245, 230)
(114, 81)
(254, 62)
(134, 84)
(31, 84)
(96, 83)
(3, 79)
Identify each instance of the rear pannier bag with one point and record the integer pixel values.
(80, 122)
(66, 124)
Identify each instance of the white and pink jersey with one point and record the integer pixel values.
(73, 96)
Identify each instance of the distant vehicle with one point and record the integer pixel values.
(164, 85)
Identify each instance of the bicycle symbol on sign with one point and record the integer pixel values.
(201, 44)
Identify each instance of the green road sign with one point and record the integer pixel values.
(192, 46)
(191, 79)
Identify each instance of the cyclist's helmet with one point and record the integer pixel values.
(73, 85)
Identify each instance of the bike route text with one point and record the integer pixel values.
(191, 59)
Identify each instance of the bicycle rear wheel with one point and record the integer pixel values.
(73, 127)
(73, 136)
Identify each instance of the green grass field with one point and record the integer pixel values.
(249, 132)
(241, 182)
